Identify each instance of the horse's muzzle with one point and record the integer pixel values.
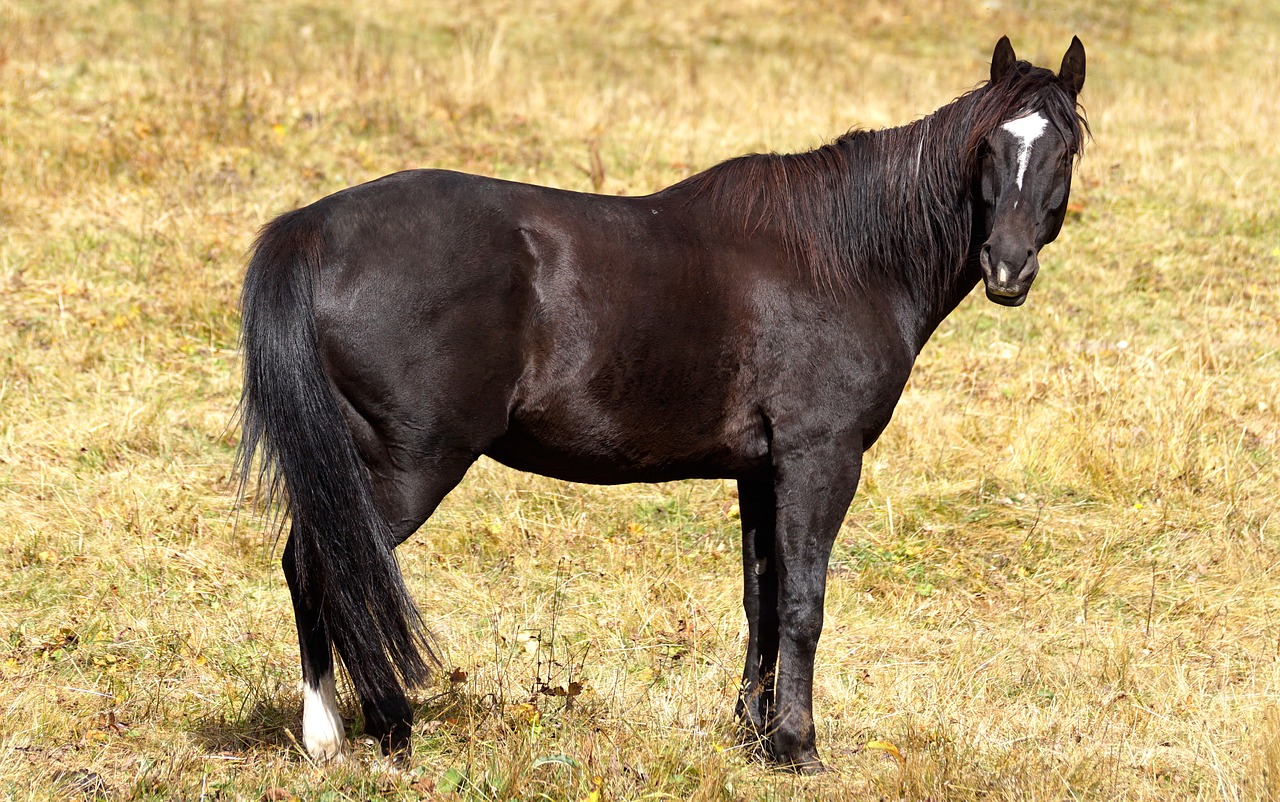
(1008, 275)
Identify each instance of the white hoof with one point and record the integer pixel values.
(323, 734)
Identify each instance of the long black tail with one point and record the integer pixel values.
(289, 414)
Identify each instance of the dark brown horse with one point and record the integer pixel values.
(757, 322)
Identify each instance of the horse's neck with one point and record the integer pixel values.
(918, 315)
(925, 258)
(930, 317)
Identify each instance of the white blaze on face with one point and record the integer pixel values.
(322, 731)
(1026, 130)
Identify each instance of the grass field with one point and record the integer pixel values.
(1057, 580)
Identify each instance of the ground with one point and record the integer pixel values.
(1055, 582)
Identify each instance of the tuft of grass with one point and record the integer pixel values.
(1055, 583)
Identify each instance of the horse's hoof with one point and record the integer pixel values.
(805, 763)
(808, 768)
(394, 765)
(396, 746)
(398, 758)
(330, 757)
(326, 747)
(324, 734)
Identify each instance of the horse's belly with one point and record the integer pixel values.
(639, 449)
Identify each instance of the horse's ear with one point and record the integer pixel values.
(1002, 59)
(1072, 71)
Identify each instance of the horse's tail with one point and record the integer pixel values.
(290, 416)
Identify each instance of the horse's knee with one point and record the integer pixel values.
(801, 623)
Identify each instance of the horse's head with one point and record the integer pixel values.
(1025, 171)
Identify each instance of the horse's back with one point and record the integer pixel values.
(578, 335)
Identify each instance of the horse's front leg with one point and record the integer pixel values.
(760, 602)
(814, 481)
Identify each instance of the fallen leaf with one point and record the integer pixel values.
(528, 712)
(597, 783)
(885, 746)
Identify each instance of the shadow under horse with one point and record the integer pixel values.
(756, 322)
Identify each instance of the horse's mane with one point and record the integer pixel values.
(896, 200)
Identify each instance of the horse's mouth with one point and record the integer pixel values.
(1013, 299)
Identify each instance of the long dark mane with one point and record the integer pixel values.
(896, 201)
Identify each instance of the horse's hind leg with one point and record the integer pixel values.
(322, 729)
(406, 498)
(407, 502)
(425, 386)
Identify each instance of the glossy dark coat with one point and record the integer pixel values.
(756, 322)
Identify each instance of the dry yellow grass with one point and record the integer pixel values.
(1057, 579)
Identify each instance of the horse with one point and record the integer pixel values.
(756, 322)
